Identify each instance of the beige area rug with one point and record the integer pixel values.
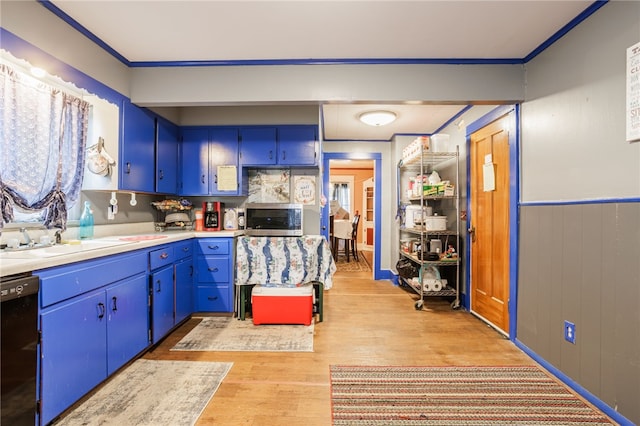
(152, 393)
(230, 334)
(352, 266)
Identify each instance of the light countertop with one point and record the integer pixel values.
(33, 260)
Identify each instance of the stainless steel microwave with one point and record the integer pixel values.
(273, 219)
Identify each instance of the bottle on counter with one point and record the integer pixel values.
(86, 222)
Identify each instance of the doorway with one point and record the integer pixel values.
(493, 218)
(359, 167)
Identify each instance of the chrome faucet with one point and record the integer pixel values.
(27, 238)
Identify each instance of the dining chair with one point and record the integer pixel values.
(351, 243)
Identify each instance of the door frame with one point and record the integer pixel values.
(514, 206)
(377, 185)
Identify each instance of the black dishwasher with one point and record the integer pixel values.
(19, 344)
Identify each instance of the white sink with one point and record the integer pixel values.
(60, 249)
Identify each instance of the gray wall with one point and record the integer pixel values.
(580, 263)
(578, 258)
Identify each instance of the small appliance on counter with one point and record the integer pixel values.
(212, 215)
(230, 219)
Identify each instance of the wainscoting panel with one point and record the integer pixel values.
(581, 263)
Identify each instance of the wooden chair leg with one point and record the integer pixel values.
(346, 248)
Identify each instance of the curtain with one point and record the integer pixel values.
(342, 194)
(43, 134)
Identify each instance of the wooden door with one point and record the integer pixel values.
(490, 224)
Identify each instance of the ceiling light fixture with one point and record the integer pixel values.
(377, 118)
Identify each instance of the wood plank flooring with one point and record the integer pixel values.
(366, 322)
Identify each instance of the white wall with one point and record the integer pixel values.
(573, 120)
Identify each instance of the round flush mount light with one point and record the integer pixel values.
(377, 118)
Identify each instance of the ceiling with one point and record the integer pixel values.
(308, 31)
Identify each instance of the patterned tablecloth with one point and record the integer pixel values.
(284, 261)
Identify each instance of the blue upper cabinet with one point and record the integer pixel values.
(294, 146)
(203, 150)
(137, 159)
(194, 162)
(298, 145)
(223, 151)
(258, 146)
(166, 157)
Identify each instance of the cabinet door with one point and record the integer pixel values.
(73, 352)
(127, 321)
(138, 145)
(184, 288)
(167, 157)
(223, 151)
(297, 146)
(162, 291)
(258, 146)
(194, 165)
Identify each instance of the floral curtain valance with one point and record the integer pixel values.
(43, 133)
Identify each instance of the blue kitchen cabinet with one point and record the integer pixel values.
(167, 149)
(184, 273)
(161, 290)
(258, 146)
(127, 318)
(194, 162)
(297, 145)
(203, 150)
(223, 151)
(73, 352)
(214, 275)
(291, 146)
(94, 319)
(137, 151)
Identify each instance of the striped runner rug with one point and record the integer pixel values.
(520, 395)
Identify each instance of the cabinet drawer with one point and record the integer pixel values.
(61, 283)
(183, 249)
(213, 269)
(213, 246)
(214, 299)
(161, 257)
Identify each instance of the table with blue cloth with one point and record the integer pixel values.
(283, 262)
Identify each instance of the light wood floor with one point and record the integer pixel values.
(366, 322)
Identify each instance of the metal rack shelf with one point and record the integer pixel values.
(423, 164)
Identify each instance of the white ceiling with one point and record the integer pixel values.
(312, 30)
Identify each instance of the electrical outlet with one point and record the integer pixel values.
(570, 332)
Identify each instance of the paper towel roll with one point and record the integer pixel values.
(437, 285)
(427, 285)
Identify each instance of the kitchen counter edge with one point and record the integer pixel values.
(18, 266)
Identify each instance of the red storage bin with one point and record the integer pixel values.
(282, 305)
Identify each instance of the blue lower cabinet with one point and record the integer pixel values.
(214, 275)
(184, 288)
(162, 300)
(88, 337)
(127, 321)
(214, 298)
(73, 352)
